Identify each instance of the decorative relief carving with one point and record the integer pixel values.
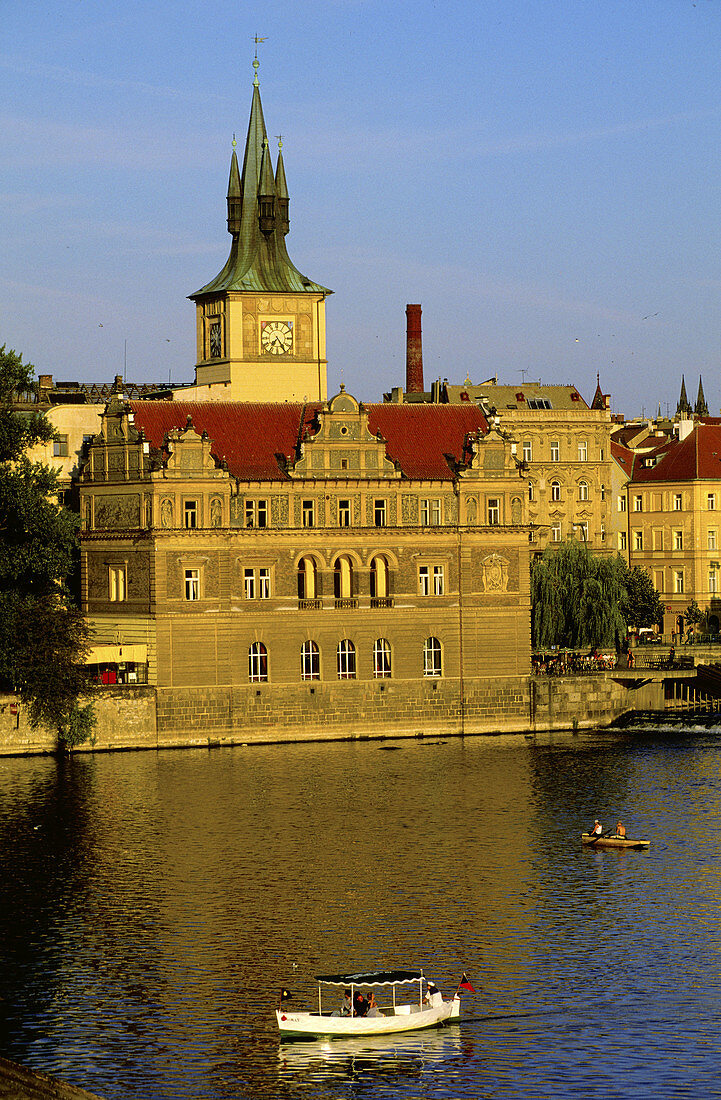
(216, 512)
(516, 511)
(472, 511)
(117, 512)
(494, 573)
(409, 510)
(494, 460)
(166, 512)
(279, 511)
(236, 512)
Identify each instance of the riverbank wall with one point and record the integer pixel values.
(153, 717)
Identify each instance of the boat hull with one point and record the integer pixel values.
(613, 842)
(294, 1025)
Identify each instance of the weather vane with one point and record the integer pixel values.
(256, 63)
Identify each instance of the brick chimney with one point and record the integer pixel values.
(414, 350)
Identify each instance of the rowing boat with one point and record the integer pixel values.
(427, 1011)
(613, 841)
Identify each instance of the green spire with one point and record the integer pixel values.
(258, 258)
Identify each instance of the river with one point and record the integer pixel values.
(152, 905)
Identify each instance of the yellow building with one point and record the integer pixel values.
(674, 520)
(565, 447)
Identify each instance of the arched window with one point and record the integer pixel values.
(555, 490)
(583, 490)
(432, 657)
(379, 578)
(346, 660)
(381, 659)
(307, 580)
(343, 578)
(257, 663)
(309, 661)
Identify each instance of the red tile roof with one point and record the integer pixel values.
(425, 440)
(697, 456)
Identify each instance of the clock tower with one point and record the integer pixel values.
(260, 323)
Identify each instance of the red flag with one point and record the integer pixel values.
(465, 984)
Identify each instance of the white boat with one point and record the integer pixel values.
(429, 1010)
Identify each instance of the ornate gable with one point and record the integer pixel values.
(343, 446)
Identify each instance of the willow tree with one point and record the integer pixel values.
(43, 636)
(577, 598)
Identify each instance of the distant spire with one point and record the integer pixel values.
(700, 408)
(683, 409)
(235, 200)
(600, 400)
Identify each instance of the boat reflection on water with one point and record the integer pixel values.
(403, 1057)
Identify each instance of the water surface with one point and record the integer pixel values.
(152, 905)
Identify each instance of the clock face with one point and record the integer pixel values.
(277, 337)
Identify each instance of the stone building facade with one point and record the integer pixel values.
(232, 550)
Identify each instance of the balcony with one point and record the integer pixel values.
(346, 603)
(381, 601)
(310, 605)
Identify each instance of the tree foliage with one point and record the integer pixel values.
(43, 636)
(643, 606)
(577, 598)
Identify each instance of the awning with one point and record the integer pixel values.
(117, 654)
(375, 977)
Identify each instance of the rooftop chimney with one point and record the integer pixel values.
(414, 350)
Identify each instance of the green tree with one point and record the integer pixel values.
(576, 598)
(43, 636)
(643, 606)
(694, 616)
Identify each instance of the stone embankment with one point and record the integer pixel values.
(17, 1083)
(154, 717)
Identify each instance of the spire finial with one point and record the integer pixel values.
(234, 142)
(280, 141)
(256, 62)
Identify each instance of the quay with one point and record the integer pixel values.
(18, 1083)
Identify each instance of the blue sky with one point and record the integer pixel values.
(542, 176)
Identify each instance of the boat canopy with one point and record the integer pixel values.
(373, 977)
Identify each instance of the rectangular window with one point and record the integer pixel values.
(60, 446)
(249, 582)
(527, 451)
(622, 541)
(379, 513)
(344, 513)
(603, 492)
(530, 490)
(678, 581)
(430, 513)
(677, 502)
(116, 577)
(192, 584)
(424, 582)
(622, 504)
(600, 455)
(494, 511)
(678, 540)
(556, 532)
(264, 584)
(658, 539)
(638, 503)
(256, 513)
(190, 513)
(711, 502)
(308, 513)
(583, 451)
(713, 581)
(555, 451)
(711, 538)
(438, 580)
(659, 580)
(638, 540)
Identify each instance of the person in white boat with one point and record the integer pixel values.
(345, 1008)
(373, 1009)
(597, 829)
(434, 997)
(360, 1005)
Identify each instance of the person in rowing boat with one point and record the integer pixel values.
(621, 830)
(597, 830)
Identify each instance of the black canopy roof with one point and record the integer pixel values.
(372, 977)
